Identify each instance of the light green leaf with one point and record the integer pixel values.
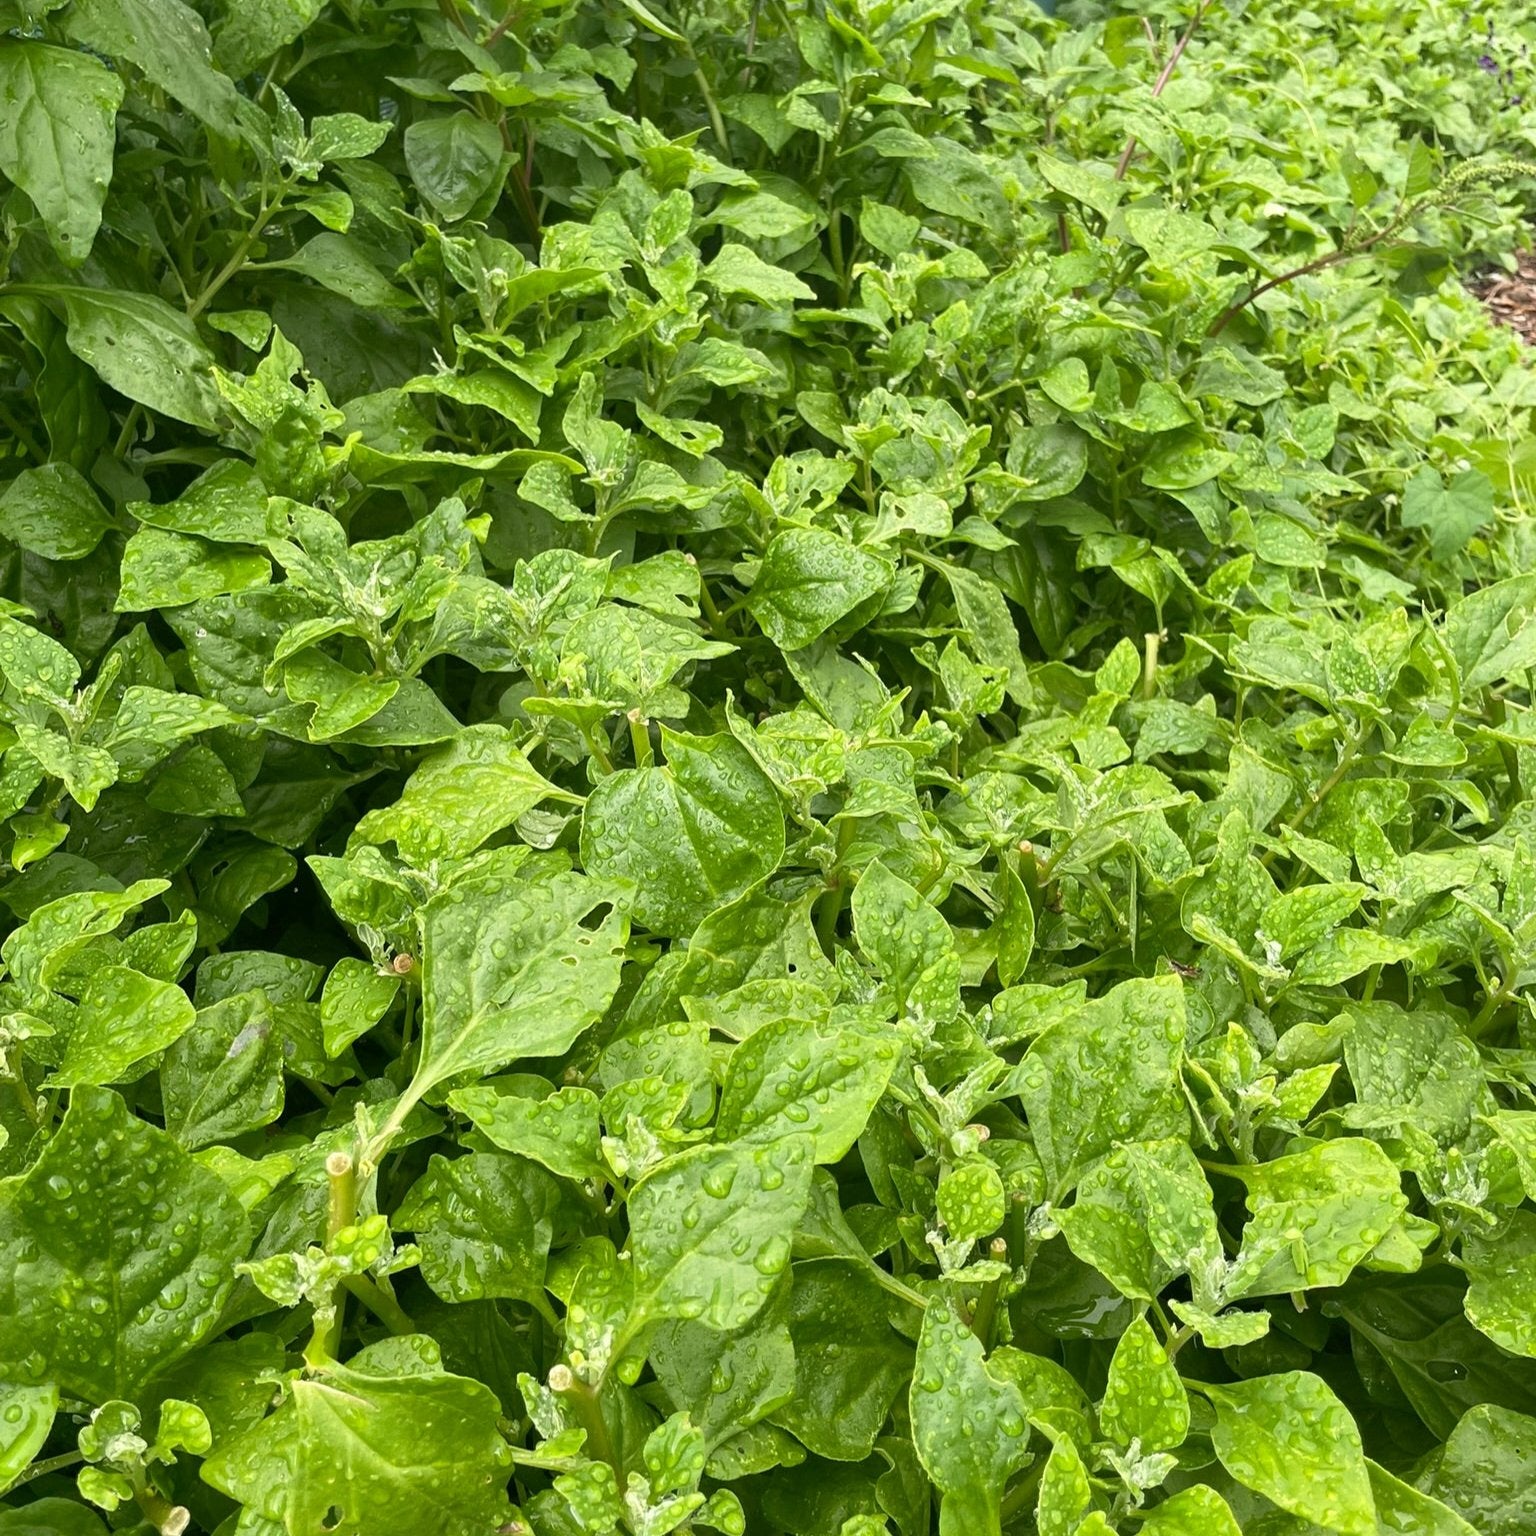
(909, 942)
(1400, 1507)
(116, 1253)
(125, 1018)
(388, 1442)
(1197, 1511)
(808, 580)
(1298, 919)
(1451, 512)
(738, 269)
(971, 1200)
(691, 835)
(1170, 238)
(355, 998)
(458, 796)
(968, 1424)
(792, 1076)
(562, 1131)
(510, 968)
(1289, 1438)
(338, 262)
(1483, 1472)
(26, 1416)
(710, 1230)
(1144, 1400)
(1065, 1493)
(58, 130)
(1314, 1216)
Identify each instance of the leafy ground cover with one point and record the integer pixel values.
(767, 768)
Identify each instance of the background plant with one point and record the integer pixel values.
(742, 792)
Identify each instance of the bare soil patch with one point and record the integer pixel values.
(1511, 296)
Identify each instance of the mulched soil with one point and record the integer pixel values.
(1511, 296)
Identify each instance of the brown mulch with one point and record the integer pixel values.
(1511, 296)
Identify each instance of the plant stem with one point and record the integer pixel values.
(1299, 818)
(1151, 641)
(711, 106)
(42, 1469)
(381, 1304)
(1162, 81)
(167, 1518)
(586, 1405)
(640, 739)
(264, 216)
(888, 1282)
(341, 1212)
(830, 907)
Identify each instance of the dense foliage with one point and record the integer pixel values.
(743, 792)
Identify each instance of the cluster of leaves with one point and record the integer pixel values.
(742, 792)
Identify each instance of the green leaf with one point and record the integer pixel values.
(389, 1440)
(459, 795)
(808, 581)
(224, 1076)
(1451, 512)
(1289, 1438)
(1492, 632)
(1501, 1299)
(57, 135)
(454, 161)
(1483, 1472)
(483, 1225)
(710, 1230)
(791, 1077)
(117, 1252)
(1400, 1507)
(256, 31)
(967, 1423)
(1144, 1400)
(168, 41)
(125, 1017)
(1107, 1074)
(691, 835)
(850, 1364)
(510, 967)
(909, 942)
(140, 346)
(338, 262)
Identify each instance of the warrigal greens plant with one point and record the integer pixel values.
(766, 766)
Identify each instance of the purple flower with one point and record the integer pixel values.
(1488, 63)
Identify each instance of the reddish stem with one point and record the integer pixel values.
(1162, 81)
